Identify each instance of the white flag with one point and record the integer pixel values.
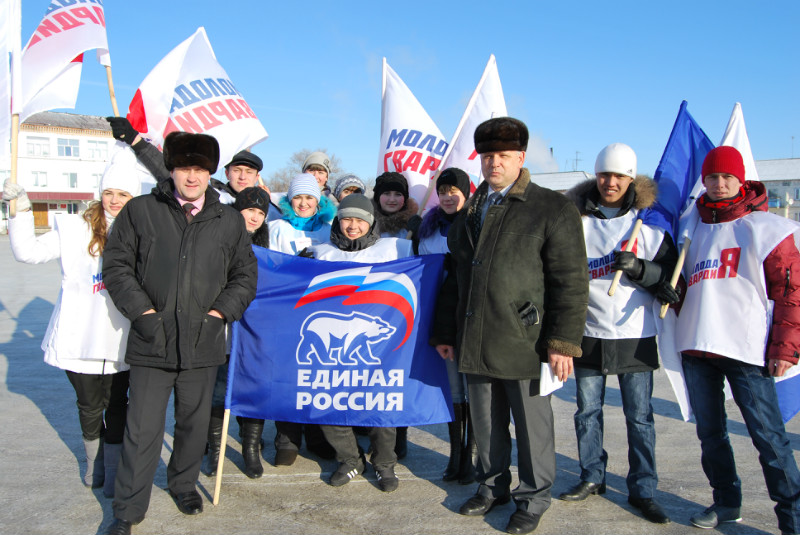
(411, 143)
(736, 136)
(189, 91)
(486, 103)
(10, 42)
(52, 59)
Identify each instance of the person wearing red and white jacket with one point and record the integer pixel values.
(739, 321)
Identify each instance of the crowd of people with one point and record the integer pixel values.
(525, 292)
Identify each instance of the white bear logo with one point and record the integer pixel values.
(341, 338)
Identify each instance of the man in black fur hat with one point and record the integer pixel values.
(179, 265)
(515, 298)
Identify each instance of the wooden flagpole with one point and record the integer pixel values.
(676, 275)
(226, 420)
(111, 91)
(628, 247)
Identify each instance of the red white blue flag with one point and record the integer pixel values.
(340, 343)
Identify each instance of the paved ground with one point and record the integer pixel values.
(41, 452)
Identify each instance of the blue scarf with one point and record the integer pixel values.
(325, 214)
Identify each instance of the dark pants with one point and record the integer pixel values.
(491, 403)
(99, 394)
(636, 390)
(343, 440)
(754, 392)
(150, 389)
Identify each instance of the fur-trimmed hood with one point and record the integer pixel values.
(394, 223)
(642, 195)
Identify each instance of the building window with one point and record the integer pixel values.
(39, 178)
(797, 194)
(72, 179)
(38, 146)
(68, 148)
(96, 177)
(98, 150)
(72, 208)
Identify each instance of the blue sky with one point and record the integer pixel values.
(580, 74)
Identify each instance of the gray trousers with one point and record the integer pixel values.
(492, 401)
(343, 440)
(150, 389)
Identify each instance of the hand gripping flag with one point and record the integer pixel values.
(340, 343)
(411, 143)
(190, 91)
(52, 59)
(487, 102)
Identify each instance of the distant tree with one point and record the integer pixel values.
(280, 179)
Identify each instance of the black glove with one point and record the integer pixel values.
(628, 263)
(306, 253)
(667, 294)
(122, 129)
(413, 223)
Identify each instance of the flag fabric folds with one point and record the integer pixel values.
(10, 42)
(190, 91)
(340, 343)
(52, 59)
(411, 143)
(487, 102)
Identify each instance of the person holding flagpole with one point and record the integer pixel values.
(86, 336)
(739, 321)
(620, 333)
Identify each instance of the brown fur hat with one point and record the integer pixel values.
(183, 149)
(499, 134)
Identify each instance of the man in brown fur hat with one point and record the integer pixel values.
(515, 297)
(620, 334)
(179, 265)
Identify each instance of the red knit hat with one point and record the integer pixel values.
(726, 160)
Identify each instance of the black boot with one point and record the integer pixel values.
(251, 429)
(469, 455)
(214, 441)
(401, 443)
(456, 431)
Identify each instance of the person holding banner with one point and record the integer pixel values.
(355, 238)
(517, 292)
(739, 321)
(620, 333)
(395, 211)
(453, 189)
(86, 336)
(179, 291)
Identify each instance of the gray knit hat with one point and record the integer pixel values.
(358, 206)
(318, 158)
(303, 184)
(348, 181)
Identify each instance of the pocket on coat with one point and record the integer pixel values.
(211, 338)
(147, 337)
(527, 316)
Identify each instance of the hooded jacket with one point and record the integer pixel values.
(626, 355)
(155, 259)
(518, 291)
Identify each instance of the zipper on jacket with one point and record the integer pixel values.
(713, 216)
(788, 278)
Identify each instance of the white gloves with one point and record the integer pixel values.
(13, 191)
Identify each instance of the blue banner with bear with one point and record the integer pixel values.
(340, 343)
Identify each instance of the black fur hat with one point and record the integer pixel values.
(501, 133)
(183, 149)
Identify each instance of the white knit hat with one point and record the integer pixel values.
(124, 172)
(303, 184)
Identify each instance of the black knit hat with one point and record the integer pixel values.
(183, 149)
(390, 181)
(252, 198)
(499, 134)
(453, 176)
(247, 158)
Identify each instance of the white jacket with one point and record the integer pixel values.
(86, 334)
(283, 237)
(383, 250)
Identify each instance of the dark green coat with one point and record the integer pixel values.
(530, 260)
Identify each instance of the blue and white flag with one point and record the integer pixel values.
(340, 343)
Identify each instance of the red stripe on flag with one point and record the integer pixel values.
(136, 113)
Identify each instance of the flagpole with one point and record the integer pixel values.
(111, 91)
(12, 205)
(628, 247)
(676, 275)
(226, 420)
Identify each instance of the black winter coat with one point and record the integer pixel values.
(521, 289)
(155, 259)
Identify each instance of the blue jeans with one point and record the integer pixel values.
(636, 390)
(754, 392)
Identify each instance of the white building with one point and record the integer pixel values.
(61, 159)
(782, 179)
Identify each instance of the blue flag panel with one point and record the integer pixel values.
(340, 343)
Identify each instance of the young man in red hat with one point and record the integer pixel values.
(739, 322)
